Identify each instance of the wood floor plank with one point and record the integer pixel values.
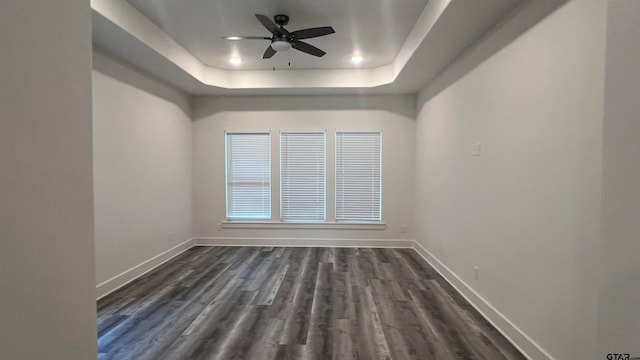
(343, 296)
(320, 333)
(294, 303)
(370, 342)
(211, 326)
(298, 315)
(282, 303)
(343, 345)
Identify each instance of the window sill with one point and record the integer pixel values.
(302, 225)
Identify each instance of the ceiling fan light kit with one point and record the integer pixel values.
(282, 40)
(281, 45)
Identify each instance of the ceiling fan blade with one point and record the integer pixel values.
(270, 25)
(306, 48)
(246, 38)
(313, 32)
(268, 53)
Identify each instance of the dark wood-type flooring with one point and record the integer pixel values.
(294, 303)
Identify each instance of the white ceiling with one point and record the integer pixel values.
(179, 42)
(374, 29)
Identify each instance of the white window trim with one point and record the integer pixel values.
(320, 225)
(303, 225)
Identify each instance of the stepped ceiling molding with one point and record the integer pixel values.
(406, 44)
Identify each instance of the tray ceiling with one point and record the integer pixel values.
(407, 45)
(374, 29)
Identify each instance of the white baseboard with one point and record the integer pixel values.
(517, 337)
(126, 277)
(297, 242)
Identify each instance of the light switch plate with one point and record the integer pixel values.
(475, 149)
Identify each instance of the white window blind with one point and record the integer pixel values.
(248, 176)
(302, 176)
(358, 166)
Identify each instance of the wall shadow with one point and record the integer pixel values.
(403, 105)
(122, 71)
(520, 20)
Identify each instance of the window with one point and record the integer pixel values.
(248, 176)
(358, 165)
(302, 176)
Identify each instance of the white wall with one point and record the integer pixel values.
(619, 325)
(527, 211)
(47, 303)
(142, 167)
(394, 115)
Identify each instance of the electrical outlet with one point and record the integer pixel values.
(476, 272)
(171, 236)
(476, 149)
(403, 229)
(219, 227)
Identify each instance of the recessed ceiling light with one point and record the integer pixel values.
(235, 60)
(232, 38)
(357, 59)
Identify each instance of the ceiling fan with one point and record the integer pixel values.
(283, 40)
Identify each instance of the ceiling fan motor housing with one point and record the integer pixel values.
(281, 19)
